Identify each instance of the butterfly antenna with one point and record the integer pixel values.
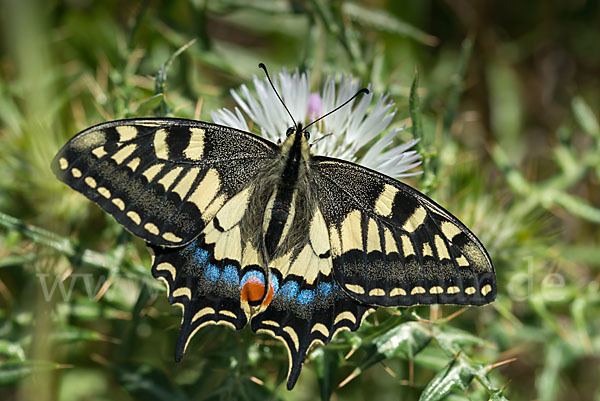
(264, 68)
(363, 90)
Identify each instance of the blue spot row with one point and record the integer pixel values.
(291, 291)
(200, 257)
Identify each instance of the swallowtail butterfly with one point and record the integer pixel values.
(243, 230)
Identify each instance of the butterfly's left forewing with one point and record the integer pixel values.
(391, 245)
(162, 179)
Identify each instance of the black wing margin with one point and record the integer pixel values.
(392, 245)
(163, 179)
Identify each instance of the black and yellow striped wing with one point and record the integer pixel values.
(169, 181)
(391, 245)
(162, 179)
(307, 312)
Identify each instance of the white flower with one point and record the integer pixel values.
(341, 134)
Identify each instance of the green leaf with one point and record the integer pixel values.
(457, 375)
(384, 21)
(145, 382)
(161, 79)
(406, 339)
(585, 117)
(12, 350)
(11, 371)
(328, 361)
(451, 339)
(577, 206)
(150, 104)
(414, 104)
(456, 83)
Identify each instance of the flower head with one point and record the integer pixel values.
(342, 134)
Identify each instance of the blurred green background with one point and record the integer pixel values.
(507, 110)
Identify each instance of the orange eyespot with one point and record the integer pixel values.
(252, 291)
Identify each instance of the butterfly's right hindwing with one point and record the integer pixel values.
(162, 179)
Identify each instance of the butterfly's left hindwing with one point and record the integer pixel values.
(206, 289)
(391, 245)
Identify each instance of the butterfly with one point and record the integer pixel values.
(246, 231)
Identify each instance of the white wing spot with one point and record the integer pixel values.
(90, 181)
(119, 203)
(151, 228)
(168, 268)
(228, 313)
(75, 172)
(134, 217)
(373, 240)
(453, 290)
(104, 192)
(417, 290)
(345, 316)
(206, 191)
(355, 288)
(168, 179)
(436, 290)
(390, 242)
(184, 185)
(470, 290)
(377, 292)
(397, 291)
(63, 163)
(171, 237)
(486, 289)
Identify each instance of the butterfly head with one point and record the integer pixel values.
(298, 129)
(296, 142)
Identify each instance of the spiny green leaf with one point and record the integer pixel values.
(406, 339)
(457, 375)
